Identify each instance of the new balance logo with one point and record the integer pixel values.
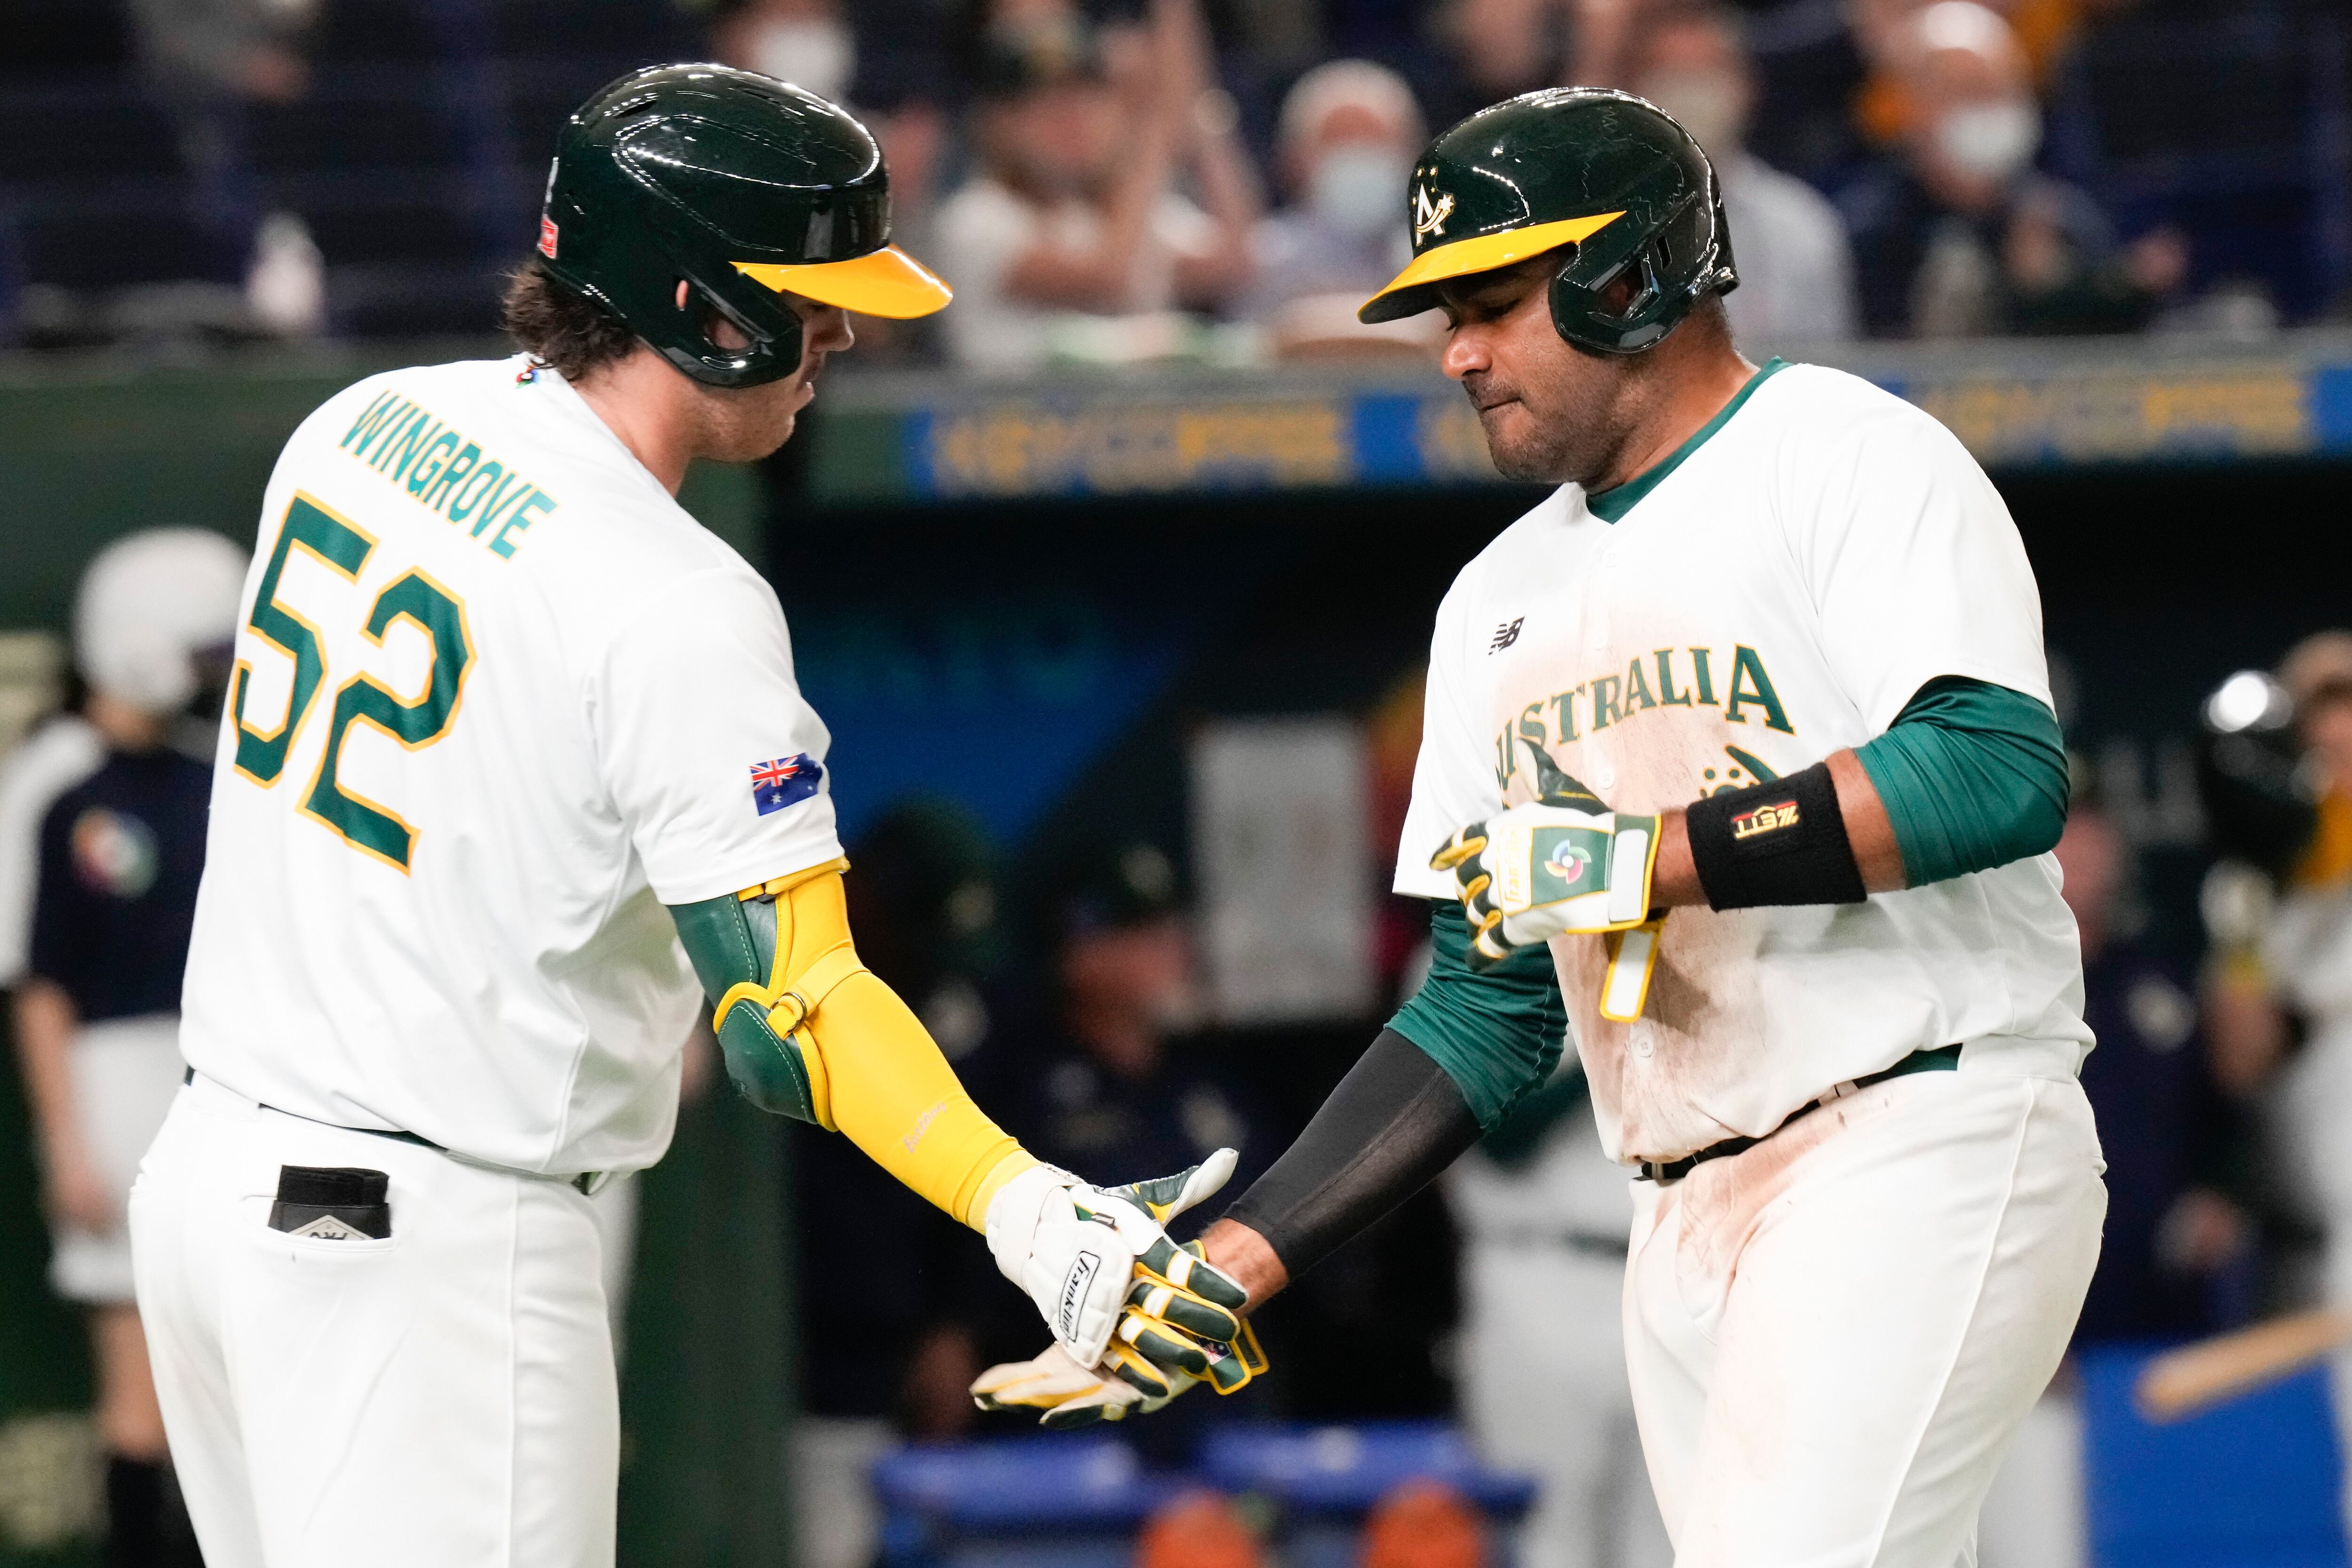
(1506, 634)
(327, 1228)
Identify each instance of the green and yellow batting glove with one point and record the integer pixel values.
(1564, 864)
(1180, 1324)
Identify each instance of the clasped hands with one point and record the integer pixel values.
(1137, 1318)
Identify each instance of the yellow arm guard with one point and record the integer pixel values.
(808, 1031)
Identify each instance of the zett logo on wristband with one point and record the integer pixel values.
(1758, 821)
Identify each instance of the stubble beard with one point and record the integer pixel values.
(1530, 446)
(744, 424)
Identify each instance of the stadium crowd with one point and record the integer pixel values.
(1126, 181)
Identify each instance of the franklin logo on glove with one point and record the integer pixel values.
(1074, 1288)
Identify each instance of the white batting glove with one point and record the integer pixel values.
(1563, 865)
(1079, 1250)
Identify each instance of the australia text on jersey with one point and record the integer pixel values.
(402, 440)
(1650, 681)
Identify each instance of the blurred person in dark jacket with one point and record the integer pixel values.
(1957, 235)
(1115, 1077)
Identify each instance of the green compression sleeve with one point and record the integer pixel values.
(1497, 1033)
(1973, 776)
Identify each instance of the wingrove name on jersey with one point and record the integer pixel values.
(402, 440)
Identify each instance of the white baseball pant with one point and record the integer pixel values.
(1834, 1335)
(445, 1395)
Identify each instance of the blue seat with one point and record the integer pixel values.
(1039, 1503)
(1347, 1469)
(2250, 1484)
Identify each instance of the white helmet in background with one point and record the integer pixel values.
(148, 605)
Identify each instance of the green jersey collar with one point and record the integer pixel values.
(1611, 506)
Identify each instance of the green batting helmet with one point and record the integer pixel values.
(1603, 171)
(741, 187)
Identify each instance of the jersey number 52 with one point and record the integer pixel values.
(340, 546)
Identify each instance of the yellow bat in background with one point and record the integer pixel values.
(2196, 1377)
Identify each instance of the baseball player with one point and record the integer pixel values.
(1746, 723)
(514, 778)
(103, 881)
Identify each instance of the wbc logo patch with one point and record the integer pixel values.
(785, 781)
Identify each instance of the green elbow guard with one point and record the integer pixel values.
(731, 941)
(768, 1068)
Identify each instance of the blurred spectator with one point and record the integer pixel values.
(1072, 241)
(1348, 134)
(1957, 235)
(2282, 1011)
(1796, 275)
(1115, 1089)
(1494, 49)
(1544, 1218)
(895, 1356)
(807, 43)
(96, 1008)
(886, 65)
(2164, 1122)
(209, 60)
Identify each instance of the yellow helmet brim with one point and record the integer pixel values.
(886, 282)
(1481, 252)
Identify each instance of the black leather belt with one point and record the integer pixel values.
(1942, 1059)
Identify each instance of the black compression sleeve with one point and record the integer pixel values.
(1386, 1132)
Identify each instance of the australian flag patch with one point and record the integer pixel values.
(778, 784)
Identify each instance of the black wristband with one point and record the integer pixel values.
(1386, 1132)
(1782, 842)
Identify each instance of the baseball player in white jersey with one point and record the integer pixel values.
(514, 780)
(1814, 959)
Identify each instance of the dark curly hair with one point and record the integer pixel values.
(565, 332)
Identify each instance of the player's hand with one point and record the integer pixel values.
(1565, 863)
(1095, 1260)
(1067, 1395)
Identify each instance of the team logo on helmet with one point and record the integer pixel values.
(1429, 216)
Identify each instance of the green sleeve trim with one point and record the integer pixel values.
(1498, 1032)
(1973, 776)
(1611, 505)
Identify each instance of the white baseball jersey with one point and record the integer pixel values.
(498, 701)
(1821, 552)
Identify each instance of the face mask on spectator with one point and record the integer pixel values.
(817, 53)
(1358, 190)
(1990, 141)
(1707, 103)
